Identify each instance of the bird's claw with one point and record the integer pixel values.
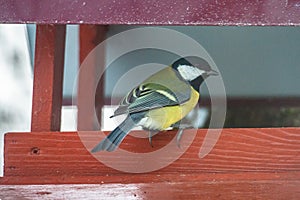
(178, 137)
(151, 133)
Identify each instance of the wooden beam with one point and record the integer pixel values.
(251, 154)
(153, 12)
(212, 189)
(90, 92)
(48, 77)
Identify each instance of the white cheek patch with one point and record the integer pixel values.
(189, 72)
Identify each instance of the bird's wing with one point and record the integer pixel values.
(149, 96)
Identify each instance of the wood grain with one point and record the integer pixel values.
(164, 190)
(48, 77)
(48, 157)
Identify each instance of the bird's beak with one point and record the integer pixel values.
(212, 73)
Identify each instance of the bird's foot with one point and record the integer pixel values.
(180, 133)
(151, 133)
(178, 137)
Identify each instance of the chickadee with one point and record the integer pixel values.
(160, 101)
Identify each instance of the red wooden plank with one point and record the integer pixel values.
(162, 12)
(90, 37)
(48, 77)
(213, 189)
(269, 154)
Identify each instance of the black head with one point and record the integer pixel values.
(192, 67)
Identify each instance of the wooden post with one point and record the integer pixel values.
(90, 37)
(48, 77)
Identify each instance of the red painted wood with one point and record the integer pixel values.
(90, 37)
(213, 189)
(48, 77)
(240, 154)
(162, 12)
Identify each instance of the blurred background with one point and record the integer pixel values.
(260, 67)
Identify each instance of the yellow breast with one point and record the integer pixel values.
(162, 118)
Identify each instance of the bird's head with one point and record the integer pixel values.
(192, 67)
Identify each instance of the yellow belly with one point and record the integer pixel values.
(162, 118)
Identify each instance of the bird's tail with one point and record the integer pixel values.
(113, 140)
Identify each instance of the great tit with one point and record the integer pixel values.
(160, 101)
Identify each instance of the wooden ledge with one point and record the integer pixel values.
(62, 157)
(244, 164)
(163, 190)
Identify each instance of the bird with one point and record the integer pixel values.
(160, 101)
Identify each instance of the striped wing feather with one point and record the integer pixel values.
(148, 96)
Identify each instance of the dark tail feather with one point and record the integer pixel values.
(114, 139)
